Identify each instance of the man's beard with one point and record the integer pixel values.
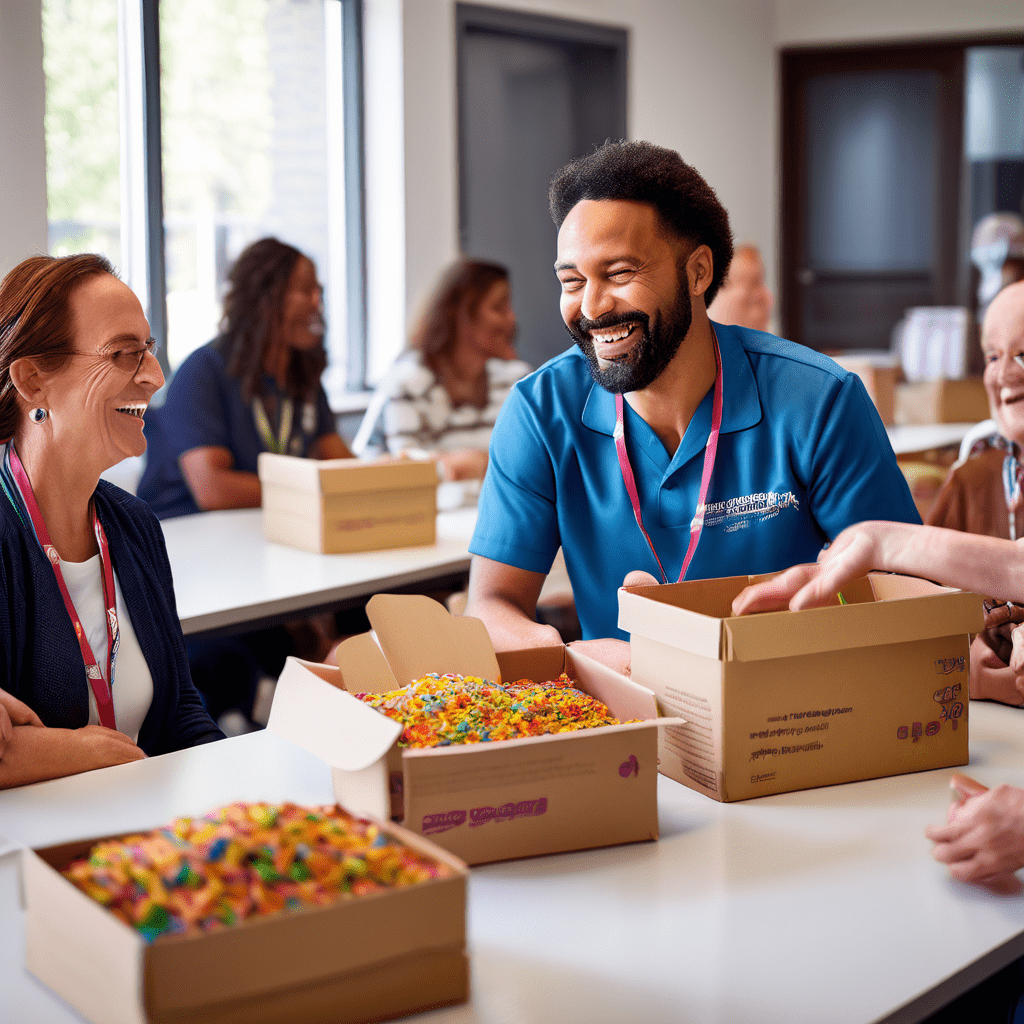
(645, 362)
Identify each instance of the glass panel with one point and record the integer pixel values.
(80, 55)
(872, 170)
(245, 148)
(994, 147)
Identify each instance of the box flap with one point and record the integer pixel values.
(419, 636)
(870, 624)
(313, 710)
(339, 476)
(641, 611)
(364, 669)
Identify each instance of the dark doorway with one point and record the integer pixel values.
(872, 147)
(534, 93)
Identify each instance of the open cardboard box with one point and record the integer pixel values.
(790, 700)
(372, 958)
(337, 505)
(483, 801)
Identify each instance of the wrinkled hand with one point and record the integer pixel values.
(14, 712)
(993, 679)
(852, 554)
(1000, 620)
(983, 838)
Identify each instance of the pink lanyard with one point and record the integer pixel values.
(101, 688)
(710, 450)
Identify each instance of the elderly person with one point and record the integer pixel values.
(982, 494)
(254, 388)
(744, 298)
(444, 393)
(92, 669)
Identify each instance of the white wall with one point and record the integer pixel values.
(22, 146)
(812, 21)
(701, 81)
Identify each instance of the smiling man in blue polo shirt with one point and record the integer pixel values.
(609, 448)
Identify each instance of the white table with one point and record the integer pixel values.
(227, 574)
(921, 437)
(805, 907)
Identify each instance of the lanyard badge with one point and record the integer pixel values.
(102, 688)
(710, 451)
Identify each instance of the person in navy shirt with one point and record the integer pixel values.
(643, 246)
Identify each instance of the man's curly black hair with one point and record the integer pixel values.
(645, 173)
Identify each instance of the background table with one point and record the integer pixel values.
(805, 907)
(226, 574)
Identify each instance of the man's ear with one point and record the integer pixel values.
(700, 266)
(28, 379)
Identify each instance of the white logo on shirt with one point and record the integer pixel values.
(739, 513)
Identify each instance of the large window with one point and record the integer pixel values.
(255, 133)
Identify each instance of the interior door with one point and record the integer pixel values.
(534, 93)
(871, 161)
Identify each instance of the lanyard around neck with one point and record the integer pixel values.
(279, 444)
(102, 688)
(710, 450)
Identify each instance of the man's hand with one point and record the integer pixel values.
(983, 839)
(14, 712)
(613, 653)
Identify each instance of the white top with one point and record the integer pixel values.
(133, 684)
(419, 413)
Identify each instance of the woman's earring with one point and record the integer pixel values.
(38, 415)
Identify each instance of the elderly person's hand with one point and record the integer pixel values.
(13, 712)
(983, 838)
(992, 677)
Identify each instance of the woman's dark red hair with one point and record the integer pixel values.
(36, 320)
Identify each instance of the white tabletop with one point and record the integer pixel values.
(803, 907)
(226, 573)
(921, 437)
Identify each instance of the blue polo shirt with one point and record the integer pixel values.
(802, 454)
(204, 407)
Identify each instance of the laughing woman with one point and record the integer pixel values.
(93, 669)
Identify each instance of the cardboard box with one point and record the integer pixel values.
(878, 371)
(942, 401)
(483, 801)
(791, 700)
(337, 505)
(373, 958)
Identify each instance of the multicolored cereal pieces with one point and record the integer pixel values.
(441, 710)
(241, 861)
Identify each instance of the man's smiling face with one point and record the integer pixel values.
(625, 294)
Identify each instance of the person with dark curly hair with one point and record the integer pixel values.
(254, 388)
(661, 429)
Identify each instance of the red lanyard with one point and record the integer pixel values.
(710, 450)
(101, 688)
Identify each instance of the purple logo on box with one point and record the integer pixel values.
(631, 766)
(434, 823)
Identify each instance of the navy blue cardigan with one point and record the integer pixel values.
(40, 660)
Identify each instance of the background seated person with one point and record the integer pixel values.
(254, 388)
(982, 494)
(744, 300)
(84, 575)
(444, 392)
(618, 430)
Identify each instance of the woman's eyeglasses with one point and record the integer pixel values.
(127, 360)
